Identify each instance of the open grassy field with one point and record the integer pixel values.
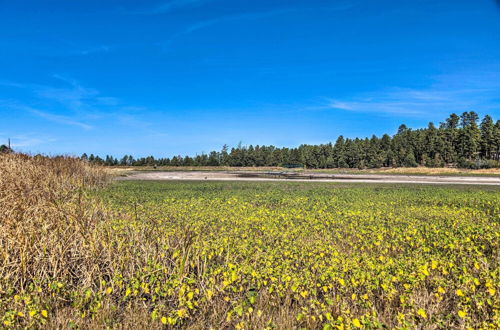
(245, 255)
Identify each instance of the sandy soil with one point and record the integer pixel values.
(317, 177)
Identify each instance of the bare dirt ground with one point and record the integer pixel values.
(316, 177)
(444, 171)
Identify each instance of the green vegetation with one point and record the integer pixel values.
(244, 255)
(460, 141)
(316, 255)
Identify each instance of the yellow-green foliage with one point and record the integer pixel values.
(316, 256)
(275, 255)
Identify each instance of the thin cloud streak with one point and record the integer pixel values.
(93, 50)
(84, 102)
(26, 140)
(75, 97)
(443, 96)
(409, 102)
(13, 105)
(168, 6)
(60, 119)
(207, 23)
(247, 16)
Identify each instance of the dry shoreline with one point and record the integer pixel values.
(439, 171)
(311, 177)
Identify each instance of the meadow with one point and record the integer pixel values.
(79, 251)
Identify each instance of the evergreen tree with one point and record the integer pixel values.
(496, 144)
(469, 136)
(487, 143)
(339, 153)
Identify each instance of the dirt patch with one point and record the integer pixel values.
(318, 177)
(494, 172)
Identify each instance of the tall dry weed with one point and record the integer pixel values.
(46, 220)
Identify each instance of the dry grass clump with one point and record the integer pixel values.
(47, 223)
(45, 219)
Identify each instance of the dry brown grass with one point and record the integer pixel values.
(47, 224)
(45, 219)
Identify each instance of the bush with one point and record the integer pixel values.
(478, 164)
(410, 161)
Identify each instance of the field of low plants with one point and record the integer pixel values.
(79, 252)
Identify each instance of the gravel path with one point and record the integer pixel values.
(290, 176)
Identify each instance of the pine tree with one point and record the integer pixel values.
(487, 143)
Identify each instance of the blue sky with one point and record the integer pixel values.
(187, 76)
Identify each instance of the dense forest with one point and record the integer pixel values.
(461, 141)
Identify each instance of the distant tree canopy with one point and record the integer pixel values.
(459, 140)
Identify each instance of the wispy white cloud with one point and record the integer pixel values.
(210, 22)
(454, 92)
(398, 101)
(60, 119)
(74, 48)
(66, 120)
(70, 94)
(340, 6)
(12, 84)
(75, 97)
(57, 47)
(77, 105)
(28, 140)
(92, 50)
(131, 120)
(168, 6)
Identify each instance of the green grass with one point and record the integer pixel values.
(318, 255)
(156, 190)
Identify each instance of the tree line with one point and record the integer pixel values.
(461, 141)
